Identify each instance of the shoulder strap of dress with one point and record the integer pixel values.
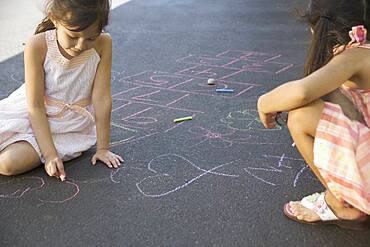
(366, 46)
(50, 37)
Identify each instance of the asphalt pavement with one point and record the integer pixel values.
(219, 179)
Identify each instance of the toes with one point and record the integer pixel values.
(294, 207)
(303, 213)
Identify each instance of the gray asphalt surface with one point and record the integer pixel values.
(220, 179)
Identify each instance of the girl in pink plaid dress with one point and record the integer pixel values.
(333, 141)
(65, 104)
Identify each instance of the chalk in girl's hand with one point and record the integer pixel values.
(62, 177)
(224, 90)
(211, 81)
(177, 120)
(293, 144)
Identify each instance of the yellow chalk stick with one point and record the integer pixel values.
(177, 120)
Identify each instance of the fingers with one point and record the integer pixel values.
(61, 172)
(108, 158)
(268, 120)
(120, 158)
(55, 168)
(93, 160)
(271, 121)
(113, 162)
(48, 171)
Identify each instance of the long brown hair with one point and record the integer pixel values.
(76, 15)
(330, 20)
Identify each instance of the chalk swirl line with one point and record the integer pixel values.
(204, 172)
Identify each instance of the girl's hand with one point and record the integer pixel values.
(268, 119)
(107, 157)
(54, 168)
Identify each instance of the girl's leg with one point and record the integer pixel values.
(18, 158)
(302, 124)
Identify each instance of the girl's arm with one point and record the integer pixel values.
(298, 93)
(102, 103)
(101, 95)
(34, 55)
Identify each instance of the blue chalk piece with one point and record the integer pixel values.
(224, 90)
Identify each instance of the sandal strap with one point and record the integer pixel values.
(316, 202)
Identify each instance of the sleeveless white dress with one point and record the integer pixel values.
(68, 89)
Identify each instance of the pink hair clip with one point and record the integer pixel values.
(358, 35)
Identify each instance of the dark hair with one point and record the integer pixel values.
(330, 20)
(76, 15)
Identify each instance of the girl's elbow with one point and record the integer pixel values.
(302, 97)
(106, 101)
(105, 98)
(34, 111)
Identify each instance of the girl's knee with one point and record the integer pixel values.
(18, 158)
(306, 118)
(295, 118)
(7, 168)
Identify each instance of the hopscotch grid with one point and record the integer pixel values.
(178, 99)
(197, 65)
(121, 106)
(141, 97)
(220, 80)
(192, 92)
(128, 90)
(136, 113)
(177, 73)
(164, 106)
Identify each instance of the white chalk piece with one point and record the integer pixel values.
(224, 90)
(211, 81)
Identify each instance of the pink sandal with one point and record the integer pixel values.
(316, 202)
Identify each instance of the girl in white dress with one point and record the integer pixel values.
(64, 106)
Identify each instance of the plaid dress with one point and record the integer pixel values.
(342, 150)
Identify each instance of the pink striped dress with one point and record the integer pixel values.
(68, 88)
(342, 150)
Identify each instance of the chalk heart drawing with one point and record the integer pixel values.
(18, 187)
(245, 120)
(59, 192)
(55, 191)
(172, 173)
